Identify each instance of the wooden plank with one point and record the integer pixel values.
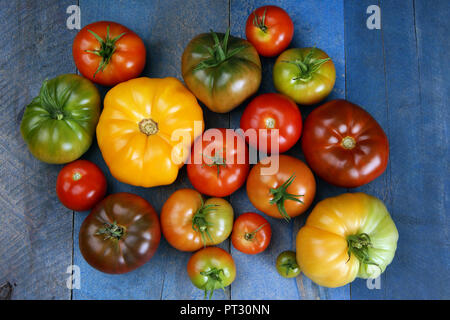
(166, 27)
(35, 229)
(257, 277)
(406, 59)
(365, 86)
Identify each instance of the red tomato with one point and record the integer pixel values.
(80, 185)
(251, 233)
(273, 111)
(285, 193)
(223, 162)
(270, 30)
(344, 145)
(108, 53)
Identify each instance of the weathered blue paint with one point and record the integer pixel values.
(399, 74)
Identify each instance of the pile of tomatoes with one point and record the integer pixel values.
(149, 128)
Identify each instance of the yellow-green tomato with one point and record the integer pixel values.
(210, 269)
(307, 75)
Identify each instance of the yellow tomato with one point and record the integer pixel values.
(348, 236)
(146, 130)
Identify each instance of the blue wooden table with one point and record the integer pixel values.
(399, 73)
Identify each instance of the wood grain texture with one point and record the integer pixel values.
(35, 229)
(396, 73)
(399, 74)
(165, 27)
(257, 277)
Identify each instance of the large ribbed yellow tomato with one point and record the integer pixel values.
(146, 130)
(348, 236)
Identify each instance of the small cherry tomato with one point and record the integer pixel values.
(272, 111)
(80, 185)
(270, 30)
(211, 268)
(287, 264)
(251, 233)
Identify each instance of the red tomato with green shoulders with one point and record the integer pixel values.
(251, 233)
(210, 269)
(108, 53)
(223, 162)
(120, 234)
(270, 30)
(80, 185)
(273, 111)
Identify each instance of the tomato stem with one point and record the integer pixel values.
(308, 66)
(214, 279)
(290, 265)
(348, 143)
(359, 246)
(219, 52)
(260, 22)
(249, 236)
(112, 231)
(217, 160)
(200, 223)
(107, 48)
(148, 126)
(280, 195)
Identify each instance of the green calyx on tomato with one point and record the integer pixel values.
(59, 124)
(260, 22)
(219, 52)
(107, 48)
(216, 160)
(112, 231)
(200, 221)
(307, 66)
(214, 281)
(280, 195)
(359, 245)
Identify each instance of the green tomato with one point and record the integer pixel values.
(306, 75)
(287, 264)
(59, 124)
(210, 269)
(221, 70)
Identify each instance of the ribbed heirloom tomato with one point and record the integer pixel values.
(344, 145)
(272, 111)
(270, 30)
(146, 130)
(80, 185)
(189, 222)
(108, 53)
(223, 162)
(284, 193)
(221, 70)
(59, 124)
(348, 236)
(120, 234)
